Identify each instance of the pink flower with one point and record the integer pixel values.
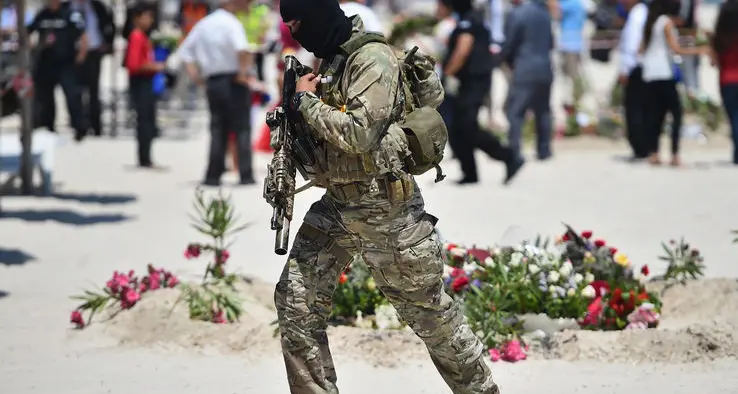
(129, 297)
(218, 318)
(643, 317)
(154, 281)
(513, 352)
(222, 256)
(172, 281)
(594, 310)
(494, 355)
(77, 319)
(119, 281)
(193, 251)
(143, 287)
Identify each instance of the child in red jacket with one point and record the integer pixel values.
(141, 70)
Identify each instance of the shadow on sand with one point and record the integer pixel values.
(63, 217)
(3, 294)
(14, 257)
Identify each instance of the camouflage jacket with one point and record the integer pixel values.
(351, 113)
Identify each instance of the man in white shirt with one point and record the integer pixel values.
(631, 76)
(367, 15)
(215, 54)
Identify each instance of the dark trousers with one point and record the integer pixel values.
(729, 94)
(259, 60)
(635, 113)
(536, 97)
(230, 112)
(662, 97)
(46, 77)
(465, 135)
(90, 80)
(144, 104)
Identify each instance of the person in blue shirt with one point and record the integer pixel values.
(572, 16)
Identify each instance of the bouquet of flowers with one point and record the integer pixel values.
(357, 299)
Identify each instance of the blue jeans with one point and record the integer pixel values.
(729, 94)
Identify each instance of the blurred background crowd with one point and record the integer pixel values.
(174, 53)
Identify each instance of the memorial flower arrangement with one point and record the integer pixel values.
(357, 299)
(212, 300)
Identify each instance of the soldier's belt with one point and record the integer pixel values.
(395, 191)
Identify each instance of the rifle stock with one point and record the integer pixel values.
(279, 186)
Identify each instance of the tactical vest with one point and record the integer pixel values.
(413, 142)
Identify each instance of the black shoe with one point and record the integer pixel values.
(211, 182)
(512, 168)
(247, 181)
(545, 157)
(467, 181)
(79, 136)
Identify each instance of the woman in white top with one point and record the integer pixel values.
(660, 43)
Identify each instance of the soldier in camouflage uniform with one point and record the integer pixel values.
(364, 212)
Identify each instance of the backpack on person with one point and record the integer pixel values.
(424, 128)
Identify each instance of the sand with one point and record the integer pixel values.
(108, 216)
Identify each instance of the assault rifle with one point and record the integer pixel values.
(294, 150)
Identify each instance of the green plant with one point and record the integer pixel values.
(401, 31)
(486, 309)
(735, 234)
(685, 263)
(356, 294)
(214, 299)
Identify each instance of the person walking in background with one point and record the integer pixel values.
(469, 62)
(441, 33)
(725, 56)
(190, 13)
(572, 16)
(687, 20)
(527, 51)
(63, 48)
(100, 29)
(367, 15)
(660, 43)
(631, 76)
(217, 50)
(141, 70)
(256, 22)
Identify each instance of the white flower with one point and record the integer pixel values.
(458, 252)
(552, 289)
(506, 268)
(589, 278)
(553, 276)
(489, 261)
(386, 318)
(571, 292)
(641, 278)
(589, 292)
(496, 251)
(518, 248)
(566, 269)
(578, 278)
(360, 322)
(647, 306)
(447, 270)
(515, 259)
(526, 280)
(470, 268)
(533, 269)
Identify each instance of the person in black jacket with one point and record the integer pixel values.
(470, 62)
(100, 29)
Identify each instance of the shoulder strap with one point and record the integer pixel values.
(355, 43)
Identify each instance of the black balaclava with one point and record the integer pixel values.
(323, 25)
(461, 6)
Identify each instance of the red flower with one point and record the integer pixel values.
(193, 251)
(457, 272)
(600, 243)
(451, 246)
(342, 279)
(479, 254)
(218, 318)
(566, 237)
(645, 271)
(459, 283)
(613, 251)
(77, 319)
(594, 310)
(620, 304)
(601, 288)
(643, 296)
(222, 256)
(587, 234)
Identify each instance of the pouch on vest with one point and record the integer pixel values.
(426, 136)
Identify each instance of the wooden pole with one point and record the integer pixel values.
(26, 132)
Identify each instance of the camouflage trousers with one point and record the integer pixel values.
(400, 246)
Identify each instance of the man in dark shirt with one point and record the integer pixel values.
(527, 51)
(469, 61)
(62, 47)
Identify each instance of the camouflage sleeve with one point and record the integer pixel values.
(370, 98)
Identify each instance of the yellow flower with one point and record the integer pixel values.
(589, 258)
(622, 260)
(370, 284)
